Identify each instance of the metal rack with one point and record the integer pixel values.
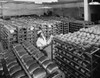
(65, 27)
(36, 53)
(76, 25)
(78, 61)
(12, 32)
(20, 61)
(18, 30)
(6, 63)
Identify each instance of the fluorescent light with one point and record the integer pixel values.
(45, 7)
(3, 1)
(32, 28)
(94, 3)
(49, 26)
(11, 31)
(38, 1)
(3, 7)
(25, 0)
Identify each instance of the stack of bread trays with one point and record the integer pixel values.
(18, 30)
(77, 24)
(12, 67)
(48, 65)
(8, 34)
(78, 53)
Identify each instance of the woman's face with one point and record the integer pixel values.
(42, 34)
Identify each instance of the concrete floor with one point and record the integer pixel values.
(48, 50)
(1, 50)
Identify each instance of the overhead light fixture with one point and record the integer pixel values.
(32, 28)
(38, 1)
(3, 1)
(3, 7)
(25, 0)
(45, 7)
(94, 3)
(45, 1)
(11, 31)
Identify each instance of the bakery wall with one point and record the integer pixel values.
(77, 13)
(11, 9)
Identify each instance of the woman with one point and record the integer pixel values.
(42, 43)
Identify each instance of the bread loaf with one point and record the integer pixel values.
(30, 48)
(39, 73)
(10, 61)
(58, 74)
(8, 54)
(26, 56)
(22, 53)
(12, 64)
(9, 57)
(29, 63)
(42, 59)
(19, 74)
(52, 68)
(33, 67)
(27, 59)
(38, 55)
(46, 63)
(14, 69)
(26, 44)
(18, 47)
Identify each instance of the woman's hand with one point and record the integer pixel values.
(51, 36)
(41, 48)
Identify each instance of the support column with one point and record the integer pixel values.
(87, 15)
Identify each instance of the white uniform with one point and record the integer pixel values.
(41, 42)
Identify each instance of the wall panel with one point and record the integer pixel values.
(11, 9)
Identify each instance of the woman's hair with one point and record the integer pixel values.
(40, 28)
(39, 35)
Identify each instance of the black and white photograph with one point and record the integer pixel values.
(49, 39)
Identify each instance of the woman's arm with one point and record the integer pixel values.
(50, 39)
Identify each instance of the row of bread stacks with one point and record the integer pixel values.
(26, 61)
(25, 28)
(63, 26)
(66, 24)
(62, 23)
(8, 34)
(78, 24)
(16, 32)
(48, 26)
(69, 24)
(78, 53)
(55, 25)
(25, 31)
(11, 67)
